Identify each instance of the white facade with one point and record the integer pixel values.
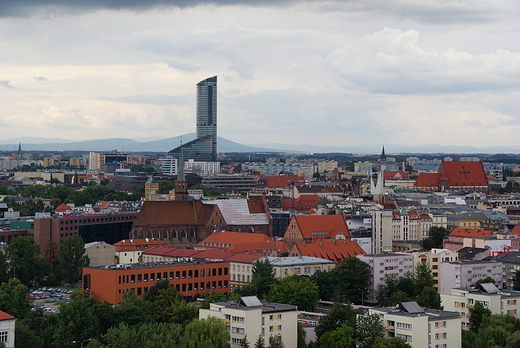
(169, 166)
(464, 274)
(381, 231)
(202, 168)
(7, 334)
(423, 327)
(254, 318)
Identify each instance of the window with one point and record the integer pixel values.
(3, 336)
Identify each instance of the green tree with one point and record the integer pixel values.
(26, 338)
(353, 275)
(301, 336)
(422, 278)
(71, 260)
(275, 342)
(206, 333)
(215, 297)
(4, 268)
(262, 279)
(338, 315)
(429, 298)
(516, 280)
(435, 238)
(477, 314)
(394, 342)
(24, 262)
(148, 335)
(259, 342)
(327, 284)
(14, 299)
(244, 343)
(486, 280)
(342, 337)
(368, 329)
(166, 185)
(296, 290)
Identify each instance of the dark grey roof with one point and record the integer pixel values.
(490, 288)
(250, 301)
(410, 307)
(512, 257)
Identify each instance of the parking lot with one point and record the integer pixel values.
(50, 298)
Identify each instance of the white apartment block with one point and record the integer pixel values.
(202, 168)
(169, 166)
(410, 225)
(421, 327)
(462, 300)
(385, 264)
(433, 259)
(381, 231)
(464, 274)
(254, 318)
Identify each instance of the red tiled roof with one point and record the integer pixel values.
(334, 250)
(256, 206)
(463, 173)
(515, 230)
(138, 244)
(157, 213)
(62, 208)
(304, 202)
(319, 189)
(470, 233)
(5, 316)
(241, 241)
(396, 175)
(283, 181)
(330, 224)
(428, 180)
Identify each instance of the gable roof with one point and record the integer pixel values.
(62, 208)
(242, 241)
(283, 181)
(330, 225)
(138, 244)
(304, 202)
(428, 180)
(236, 212)
(5, 316)
(463, 173)
(334, 250)
(158, 213)
(396, 175)
(470, 233)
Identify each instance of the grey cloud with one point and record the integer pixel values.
(391, 62)
(40, 78)
(182, 66)
(5, 83)
(427, 10)
(162, 99)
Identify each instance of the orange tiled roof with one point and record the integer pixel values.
(283, 181)
(157, 213)
(330, 224)
(428, 180)
(62, 208)
(515, 230)
(463, 173)
(334, 250)
(138, 244)
(256, 206)
(241, 241)
(304, 202)
(5, 316)
(470, 233)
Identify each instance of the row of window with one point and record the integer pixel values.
(187, 286)
(132, 278)
(115, 218)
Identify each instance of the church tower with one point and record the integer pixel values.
(181, 185)
(383, 155)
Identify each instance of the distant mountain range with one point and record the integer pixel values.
(225, 145)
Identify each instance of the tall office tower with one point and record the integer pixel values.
(207, 112)
(204, 147)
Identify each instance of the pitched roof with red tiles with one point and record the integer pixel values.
(62, 208)
(515, 230)
(463, 173)
(470, 233)
(5, 316)
(396, 175)
(138, 244)
(283, 181)
(256, 206)
(159, 213)
(428, 180)
(304, 202)
(321, 226)
(319, 189)
(334, 250)
(242, 241)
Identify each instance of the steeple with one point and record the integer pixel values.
(181, 185)
(19, 153)
(180, 172)
(383, 156)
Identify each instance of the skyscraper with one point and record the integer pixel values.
(204, 147)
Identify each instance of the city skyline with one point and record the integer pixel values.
(337, 73)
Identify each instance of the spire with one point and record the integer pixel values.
(19, 154)
(383, 156)
(180, 172)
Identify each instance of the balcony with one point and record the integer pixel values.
(390, 328)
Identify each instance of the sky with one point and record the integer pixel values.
(337, 73)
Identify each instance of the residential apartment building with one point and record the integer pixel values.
(462, 300)
(382, 231)
(254, 318)
(382, 265)
(303, 265)
(464, 274)
(433, 259)
(410, 225)
(108, 283)
(511, 263)
(421, 327)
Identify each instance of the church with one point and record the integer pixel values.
(453, 176)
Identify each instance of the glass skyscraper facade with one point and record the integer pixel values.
(204, 147)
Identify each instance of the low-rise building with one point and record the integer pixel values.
(421, 327)
(108, 283)
(7, 332)
(130, 250)
(254, 318)
(462, 300)
(303, 265)
(100, 253)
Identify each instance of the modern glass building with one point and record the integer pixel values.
(204, 147)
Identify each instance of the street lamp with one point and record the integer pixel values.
(88, 339)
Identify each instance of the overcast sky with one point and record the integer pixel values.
(296, 72)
